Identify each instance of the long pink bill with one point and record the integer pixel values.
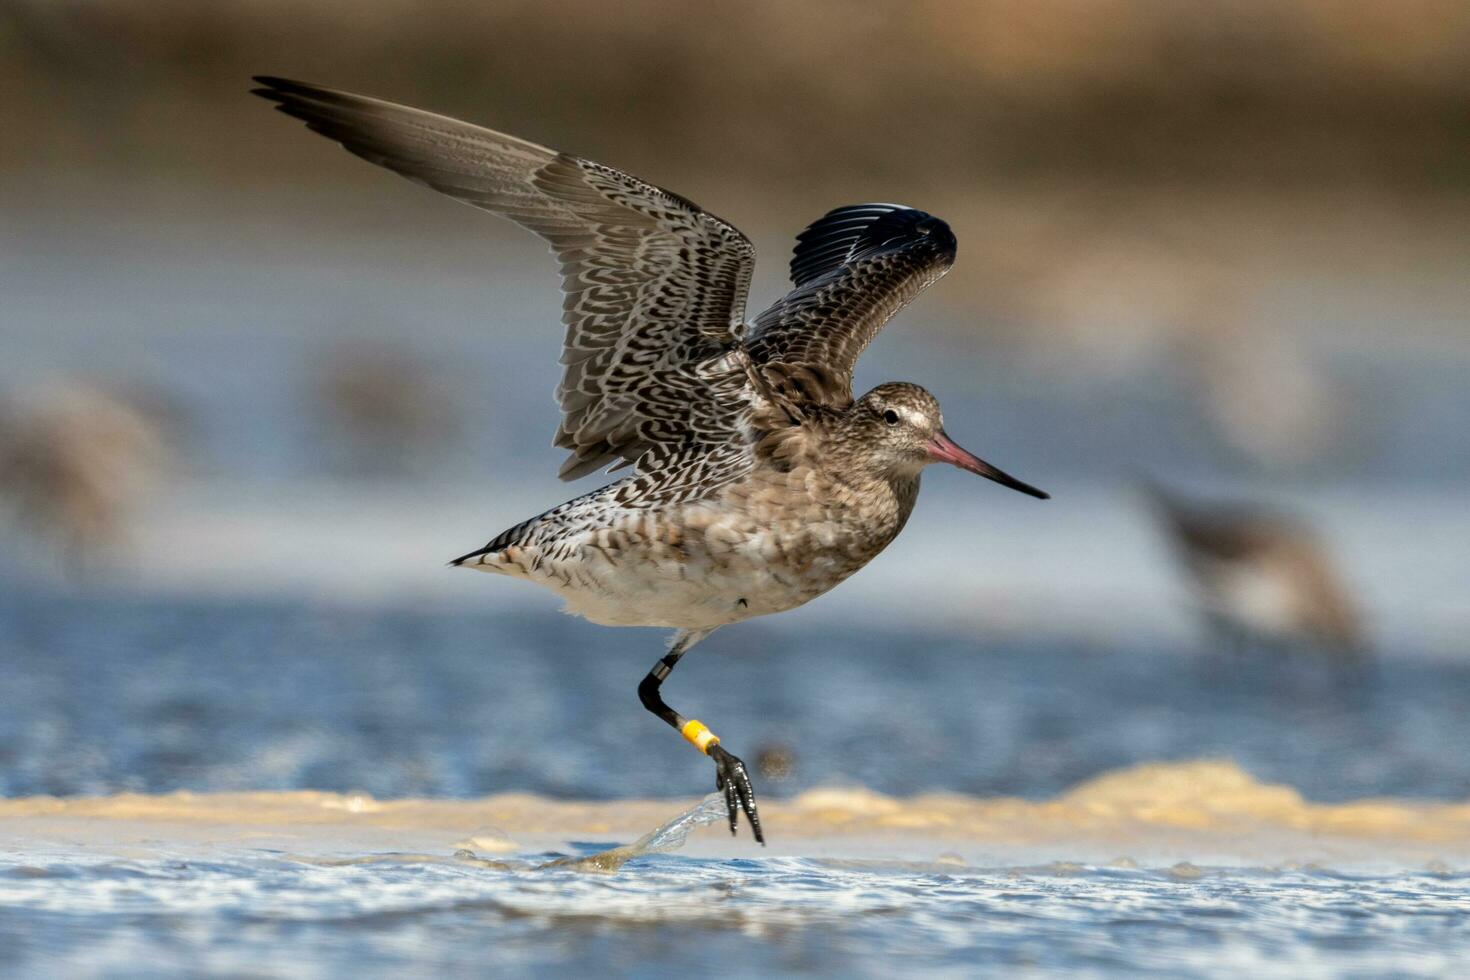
(945, 450)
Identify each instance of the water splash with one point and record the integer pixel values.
(667, 837)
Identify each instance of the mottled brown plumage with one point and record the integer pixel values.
(810, 506)
(759, 482)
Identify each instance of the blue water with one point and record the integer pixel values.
(109, 694)
(669, 915)
(103, 694)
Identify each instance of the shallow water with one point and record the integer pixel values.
(1220, 873)
(272, 915)
(109, 694)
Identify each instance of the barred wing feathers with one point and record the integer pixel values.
(852, 270)
(654, 286)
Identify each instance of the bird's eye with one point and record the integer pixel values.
(891, 417)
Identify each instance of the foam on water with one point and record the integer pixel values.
(854, 883)
(1208, 803)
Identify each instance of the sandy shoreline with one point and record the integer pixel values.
(1205, 812)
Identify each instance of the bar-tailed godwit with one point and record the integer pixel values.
(759, 482)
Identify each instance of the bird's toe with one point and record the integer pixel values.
(733, 779)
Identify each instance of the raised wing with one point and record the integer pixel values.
(852, 270)
(654, 286)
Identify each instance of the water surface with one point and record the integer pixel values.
(125, 693)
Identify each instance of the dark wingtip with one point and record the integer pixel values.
(276, 83)
(845, 233)
(270, 86)
(286, 91)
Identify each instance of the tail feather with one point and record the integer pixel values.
(470, 558)
(502, 541)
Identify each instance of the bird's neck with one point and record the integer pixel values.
(870, 487)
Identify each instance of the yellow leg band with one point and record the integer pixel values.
(699, 736)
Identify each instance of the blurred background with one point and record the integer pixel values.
(1211, 294)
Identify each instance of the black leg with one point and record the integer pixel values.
(731, 777)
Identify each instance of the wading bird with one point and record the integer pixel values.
(1263, 579)
(758, 482)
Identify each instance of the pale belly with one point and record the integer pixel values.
(714, 570)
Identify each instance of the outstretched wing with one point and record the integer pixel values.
(852, 270)
(654, 286)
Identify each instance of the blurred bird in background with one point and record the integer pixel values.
(76, 467)
(1263, 579)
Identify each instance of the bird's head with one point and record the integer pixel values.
(901, 424)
